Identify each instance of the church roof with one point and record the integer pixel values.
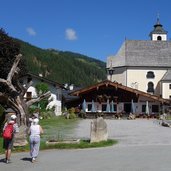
(158, 28)
(143, 53)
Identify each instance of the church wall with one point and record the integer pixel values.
(166, 91)
(119, 76)
(136, 78)
(164, 37)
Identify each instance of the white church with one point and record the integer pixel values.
(144, 65)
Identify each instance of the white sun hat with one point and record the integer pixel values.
(35, 121)
(13, 117)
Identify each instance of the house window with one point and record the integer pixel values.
(169, 86)
(143, 108)
(104, 107)
(28, 95)
(150, 74)
(150, 87)
(155, 108)
(169, 97)
(89, 107)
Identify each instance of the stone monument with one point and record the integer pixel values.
(98, 130)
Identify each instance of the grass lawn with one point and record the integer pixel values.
(59, 128)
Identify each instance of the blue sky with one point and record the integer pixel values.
(95, 28)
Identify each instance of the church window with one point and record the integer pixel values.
(150, 74)
(159, 38)
(150, 87)
(169, 86)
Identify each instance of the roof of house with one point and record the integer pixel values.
(45, 80)
(142, 53)
(117, 85)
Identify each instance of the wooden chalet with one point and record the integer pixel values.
(113, 99)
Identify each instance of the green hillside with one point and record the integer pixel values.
(63, 67)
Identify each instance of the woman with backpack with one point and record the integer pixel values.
(9, 130)
(34, 131)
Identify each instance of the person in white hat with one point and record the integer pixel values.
(34, 131)
(8, 142)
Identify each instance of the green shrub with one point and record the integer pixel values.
(72, 116)
(71, 110)
(41, 88)
(47, 114)
(71, 113)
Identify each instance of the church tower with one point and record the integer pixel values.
(158, 33)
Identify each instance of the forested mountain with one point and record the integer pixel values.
(63, 67)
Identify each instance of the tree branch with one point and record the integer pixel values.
(7, 83)
(3, 81)
(30, 102)
(14, 67)
(13, 105)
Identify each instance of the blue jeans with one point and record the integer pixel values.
(34, 145)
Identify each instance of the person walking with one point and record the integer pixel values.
(9, 130)
(34, 131)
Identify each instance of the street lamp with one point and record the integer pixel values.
(110, 71)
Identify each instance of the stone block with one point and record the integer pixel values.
(98, 130)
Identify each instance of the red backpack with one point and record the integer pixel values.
(8, 132)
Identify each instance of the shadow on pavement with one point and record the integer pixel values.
(26, 159)
(2, 160)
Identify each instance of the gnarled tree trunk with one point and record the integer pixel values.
(13, 97)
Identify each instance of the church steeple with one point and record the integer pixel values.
(158, 32)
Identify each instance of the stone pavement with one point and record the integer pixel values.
(144, 145)
(131, 132)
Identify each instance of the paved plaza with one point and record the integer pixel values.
(131, 132)
(143, 145)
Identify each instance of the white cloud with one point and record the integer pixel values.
(70, 34)
(31, 31)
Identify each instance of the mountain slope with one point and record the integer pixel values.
(63, 67)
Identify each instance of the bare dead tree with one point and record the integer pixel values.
(13, 96)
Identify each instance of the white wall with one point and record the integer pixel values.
(164, 36)
(137, 79)
(166, 91)
(119, 76)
